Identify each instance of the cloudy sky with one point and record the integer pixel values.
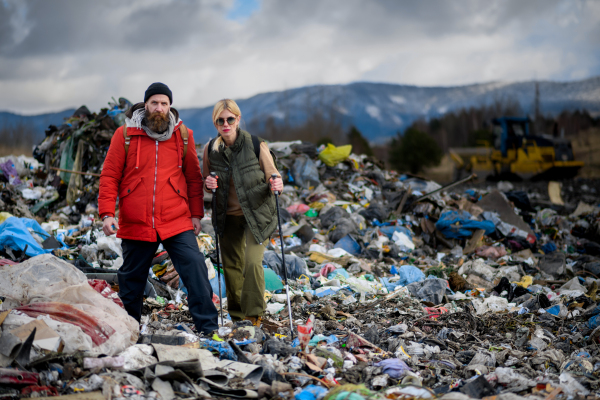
(58, 54)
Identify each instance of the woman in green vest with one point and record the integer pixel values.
(246, 214)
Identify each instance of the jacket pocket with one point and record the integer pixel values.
(132, 202)
(175, 200)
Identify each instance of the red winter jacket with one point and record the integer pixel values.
(157, 194)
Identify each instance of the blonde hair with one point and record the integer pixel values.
(232, 107)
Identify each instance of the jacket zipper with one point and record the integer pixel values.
(154, 190)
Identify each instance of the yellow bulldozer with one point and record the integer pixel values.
(516, 154)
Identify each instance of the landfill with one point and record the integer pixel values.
(400, 288)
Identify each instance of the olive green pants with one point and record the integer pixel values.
(242, 266)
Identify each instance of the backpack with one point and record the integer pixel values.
(183, 130)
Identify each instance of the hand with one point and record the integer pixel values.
(276, 184)
(197, 225)
(108, 224)
(211, 183)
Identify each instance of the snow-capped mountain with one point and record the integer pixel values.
(378, 110)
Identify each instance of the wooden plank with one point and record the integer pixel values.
(473, 242)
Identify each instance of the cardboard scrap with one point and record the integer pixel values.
(45, 337)
(77, 396)
(554, 189)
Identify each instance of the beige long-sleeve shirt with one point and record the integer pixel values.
(266, 164)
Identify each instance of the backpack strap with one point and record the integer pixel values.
(127, 140)
(256, 144)
(210, 146)
(183, 130)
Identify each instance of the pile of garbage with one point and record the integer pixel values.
(399, 287)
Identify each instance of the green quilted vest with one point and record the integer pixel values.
(254, 193)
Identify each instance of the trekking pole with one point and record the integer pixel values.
(287, 288)
(214, 221)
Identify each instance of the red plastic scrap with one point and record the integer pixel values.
(98, 331)
(17, 377)
(104, 288)
(435, 312)
(41, 391)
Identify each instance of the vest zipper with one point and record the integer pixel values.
(154, 190)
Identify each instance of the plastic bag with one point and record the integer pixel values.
(456, 224)
(342, 228)
(295, 265)
(333, 155)
(15, 233)
(394, 367)
(409, 274)
(402, 240)
(349, 244)
(331, 216)
(10, 172)
(305, 172)
(46, 279)
(111, 244)
(431, 290)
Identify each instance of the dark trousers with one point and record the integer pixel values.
(189, 264)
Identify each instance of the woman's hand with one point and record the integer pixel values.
(211, 183)
(276, 184)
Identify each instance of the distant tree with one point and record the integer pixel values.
(414, 151)
(325, 141)
(477, 136)
(358, 142)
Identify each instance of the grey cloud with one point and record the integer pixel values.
(53, 46)
(69, 26)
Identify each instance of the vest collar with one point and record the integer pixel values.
(239, 142)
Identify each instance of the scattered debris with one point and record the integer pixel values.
(399, 287)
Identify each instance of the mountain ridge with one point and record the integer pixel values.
(378, 109)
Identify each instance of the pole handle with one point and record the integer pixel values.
(214, 175)
(273, 176)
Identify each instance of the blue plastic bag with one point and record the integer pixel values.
(389, 231)
(311, 392)
(319, 338)
(339, 271)
(410, 274)
(349, 244)
(14, 233)
(223, 348)
(456, 225)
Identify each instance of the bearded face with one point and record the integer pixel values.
(157, 121)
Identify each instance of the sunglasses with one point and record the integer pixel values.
(221, 121)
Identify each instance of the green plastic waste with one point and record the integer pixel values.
(311, 213)
(337, 361)
(272, 281)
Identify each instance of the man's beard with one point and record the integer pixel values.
(157, 121)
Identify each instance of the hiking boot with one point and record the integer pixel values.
(256, 321)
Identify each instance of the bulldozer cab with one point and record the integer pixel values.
(510, 133)
(517, 153)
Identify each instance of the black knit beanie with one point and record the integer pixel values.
(158, 88)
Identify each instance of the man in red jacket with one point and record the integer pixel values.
(159, 187)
